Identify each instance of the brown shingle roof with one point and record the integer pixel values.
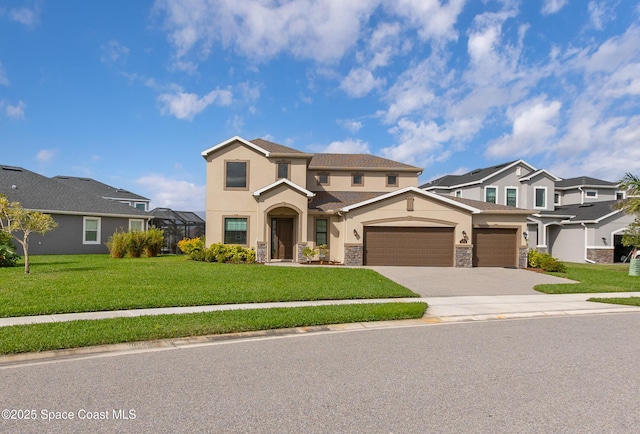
(356, 161)
(334, 200)
(274, 147)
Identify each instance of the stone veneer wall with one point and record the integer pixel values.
(523, 257)
(353, 255)
(464, 255)
(600, 256)
(299, 248)
(261, 252)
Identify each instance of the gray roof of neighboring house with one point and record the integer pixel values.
(274, 147)
(466, 178)
(581, 181)
(99, 188)
(582, 212)
(334, 200)
(357, 162)
(37, 192)
(182, 216)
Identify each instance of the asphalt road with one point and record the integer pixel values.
(566, 374)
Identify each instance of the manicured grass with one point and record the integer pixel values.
(41, 337)
(594, 278)
(627, 301)
(86, 283)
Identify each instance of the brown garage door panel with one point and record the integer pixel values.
(495, 247)
(408, 246)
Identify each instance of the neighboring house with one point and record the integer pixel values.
(85, 220)
(106, 191)
(367, 210)
(176, 226)
(574, 220)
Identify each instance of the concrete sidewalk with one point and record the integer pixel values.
(441, 309)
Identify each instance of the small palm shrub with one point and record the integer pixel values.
(545, 262)
(117, 244)
(8, 256)
(153, 242)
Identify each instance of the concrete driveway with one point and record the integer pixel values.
(442, 282)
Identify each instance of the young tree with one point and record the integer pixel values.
(14, 218)
(631, 184)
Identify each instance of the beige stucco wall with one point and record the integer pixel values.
(373, 181)
(222, 203)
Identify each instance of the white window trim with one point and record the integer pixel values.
(137, 220)
(135, 205)
(622, 192)
(559, 202)
(511, 187)
(535, 197)
(485, 193)
(458, 193)
(84, 230)
(586, 194)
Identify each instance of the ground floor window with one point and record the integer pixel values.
(91, 230)
(136, 225)
(235, 231)
(321, 231)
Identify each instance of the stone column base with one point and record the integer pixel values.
(523, 257)
(353, 255)
(600, 256)
(262, 249)
(299, 256)
(464, 256)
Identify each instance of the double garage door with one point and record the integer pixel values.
(408, 246)
(492, 247)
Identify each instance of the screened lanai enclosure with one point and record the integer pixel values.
(177, 225)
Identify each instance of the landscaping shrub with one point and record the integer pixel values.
(117, 244)
(217, 252)
(545, 261)
(8, 256)
(136, 243)
(154, 242)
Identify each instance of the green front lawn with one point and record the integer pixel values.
(627, 301)
(73, 334)
(594, 278)
(86, 283)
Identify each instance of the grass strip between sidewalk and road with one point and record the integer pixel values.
(593, 278)
(626, 301)
(91, 283)
(83, 333)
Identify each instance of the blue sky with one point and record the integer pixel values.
(130, 92)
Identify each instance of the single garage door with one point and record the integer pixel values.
(408, 246)
(495, 248)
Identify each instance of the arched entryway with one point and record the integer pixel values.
(282, 224)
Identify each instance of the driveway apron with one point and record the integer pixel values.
(443, 282)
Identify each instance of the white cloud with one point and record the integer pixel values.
(113, 52)
(347, 147)
(350, 125)
(600, 13)
(46, 155)
(553, 6)
(534, 125)
(26, 16)
(4, 80)
(172, 193)
(360, 82)
(259, 29)
(184, 105)
(15, 111)
(432, 18)
(236, 122)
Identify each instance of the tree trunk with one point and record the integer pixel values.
(25, 247)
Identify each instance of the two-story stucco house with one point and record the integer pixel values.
(574, 218)
(368, 210)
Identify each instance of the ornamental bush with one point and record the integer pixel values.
(217, 252)
(545, 262)
(153, 242)
(117, 244)
(135, 243)
(8, 256)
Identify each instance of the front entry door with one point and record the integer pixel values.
(282, 238)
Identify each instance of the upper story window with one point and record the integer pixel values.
(511, 196)
(620, 195)
(283, 169)
(236, 175)
(491, 194)
(392, 180)
(556, 198)
(458, 193)
(141, 206)
(323, 178)
(540, 197)
(357, 179)
(592, 194)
